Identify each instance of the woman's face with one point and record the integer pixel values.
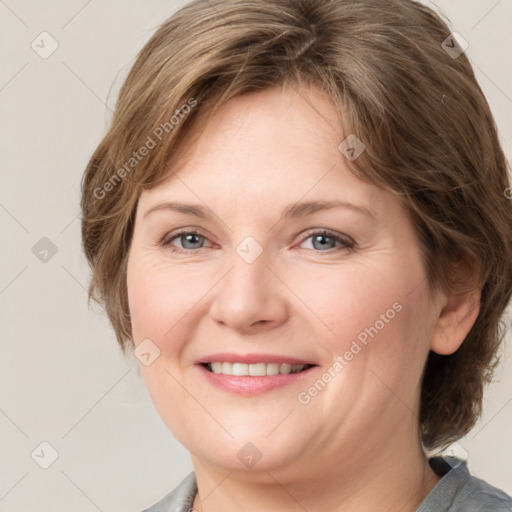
(293, 261)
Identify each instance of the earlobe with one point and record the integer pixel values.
(456, 318)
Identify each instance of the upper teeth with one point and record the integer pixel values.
(255, 370)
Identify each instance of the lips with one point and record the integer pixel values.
(252, 373)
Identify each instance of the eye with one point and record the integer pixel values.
(191, 241)
(325, 240)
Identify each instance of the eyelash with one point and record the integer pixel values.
(346, 243)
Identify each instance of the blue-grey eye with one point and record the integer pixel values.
(324, 240)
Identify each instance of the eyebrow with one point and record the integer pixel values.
(291, 211)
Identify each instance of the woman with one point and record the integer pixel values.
(298, 221)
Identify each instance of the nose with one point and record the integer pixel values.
(251, 297)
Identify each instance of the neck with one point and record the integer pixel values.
(392, 480)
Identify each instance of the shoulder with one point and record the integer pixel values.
(180, 499)
(459, 491)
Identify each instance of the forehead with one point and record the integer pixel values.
(276, 145)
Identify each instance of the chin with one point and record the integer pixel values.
(249, 450)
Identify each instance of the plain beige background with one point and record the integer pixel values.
(63, 379)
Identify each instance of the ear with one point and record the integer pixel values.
(458, 314)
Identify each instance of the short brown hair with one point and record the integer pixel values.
(429, 134)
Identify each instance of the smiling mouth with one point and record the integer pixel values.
(254, 370)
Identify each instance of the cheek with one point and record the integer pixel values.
(159, 295)
(347, 302)
(159, 298)
(373, 317)
(377, 353)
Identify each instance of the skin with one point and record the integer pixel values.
(355, 445)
